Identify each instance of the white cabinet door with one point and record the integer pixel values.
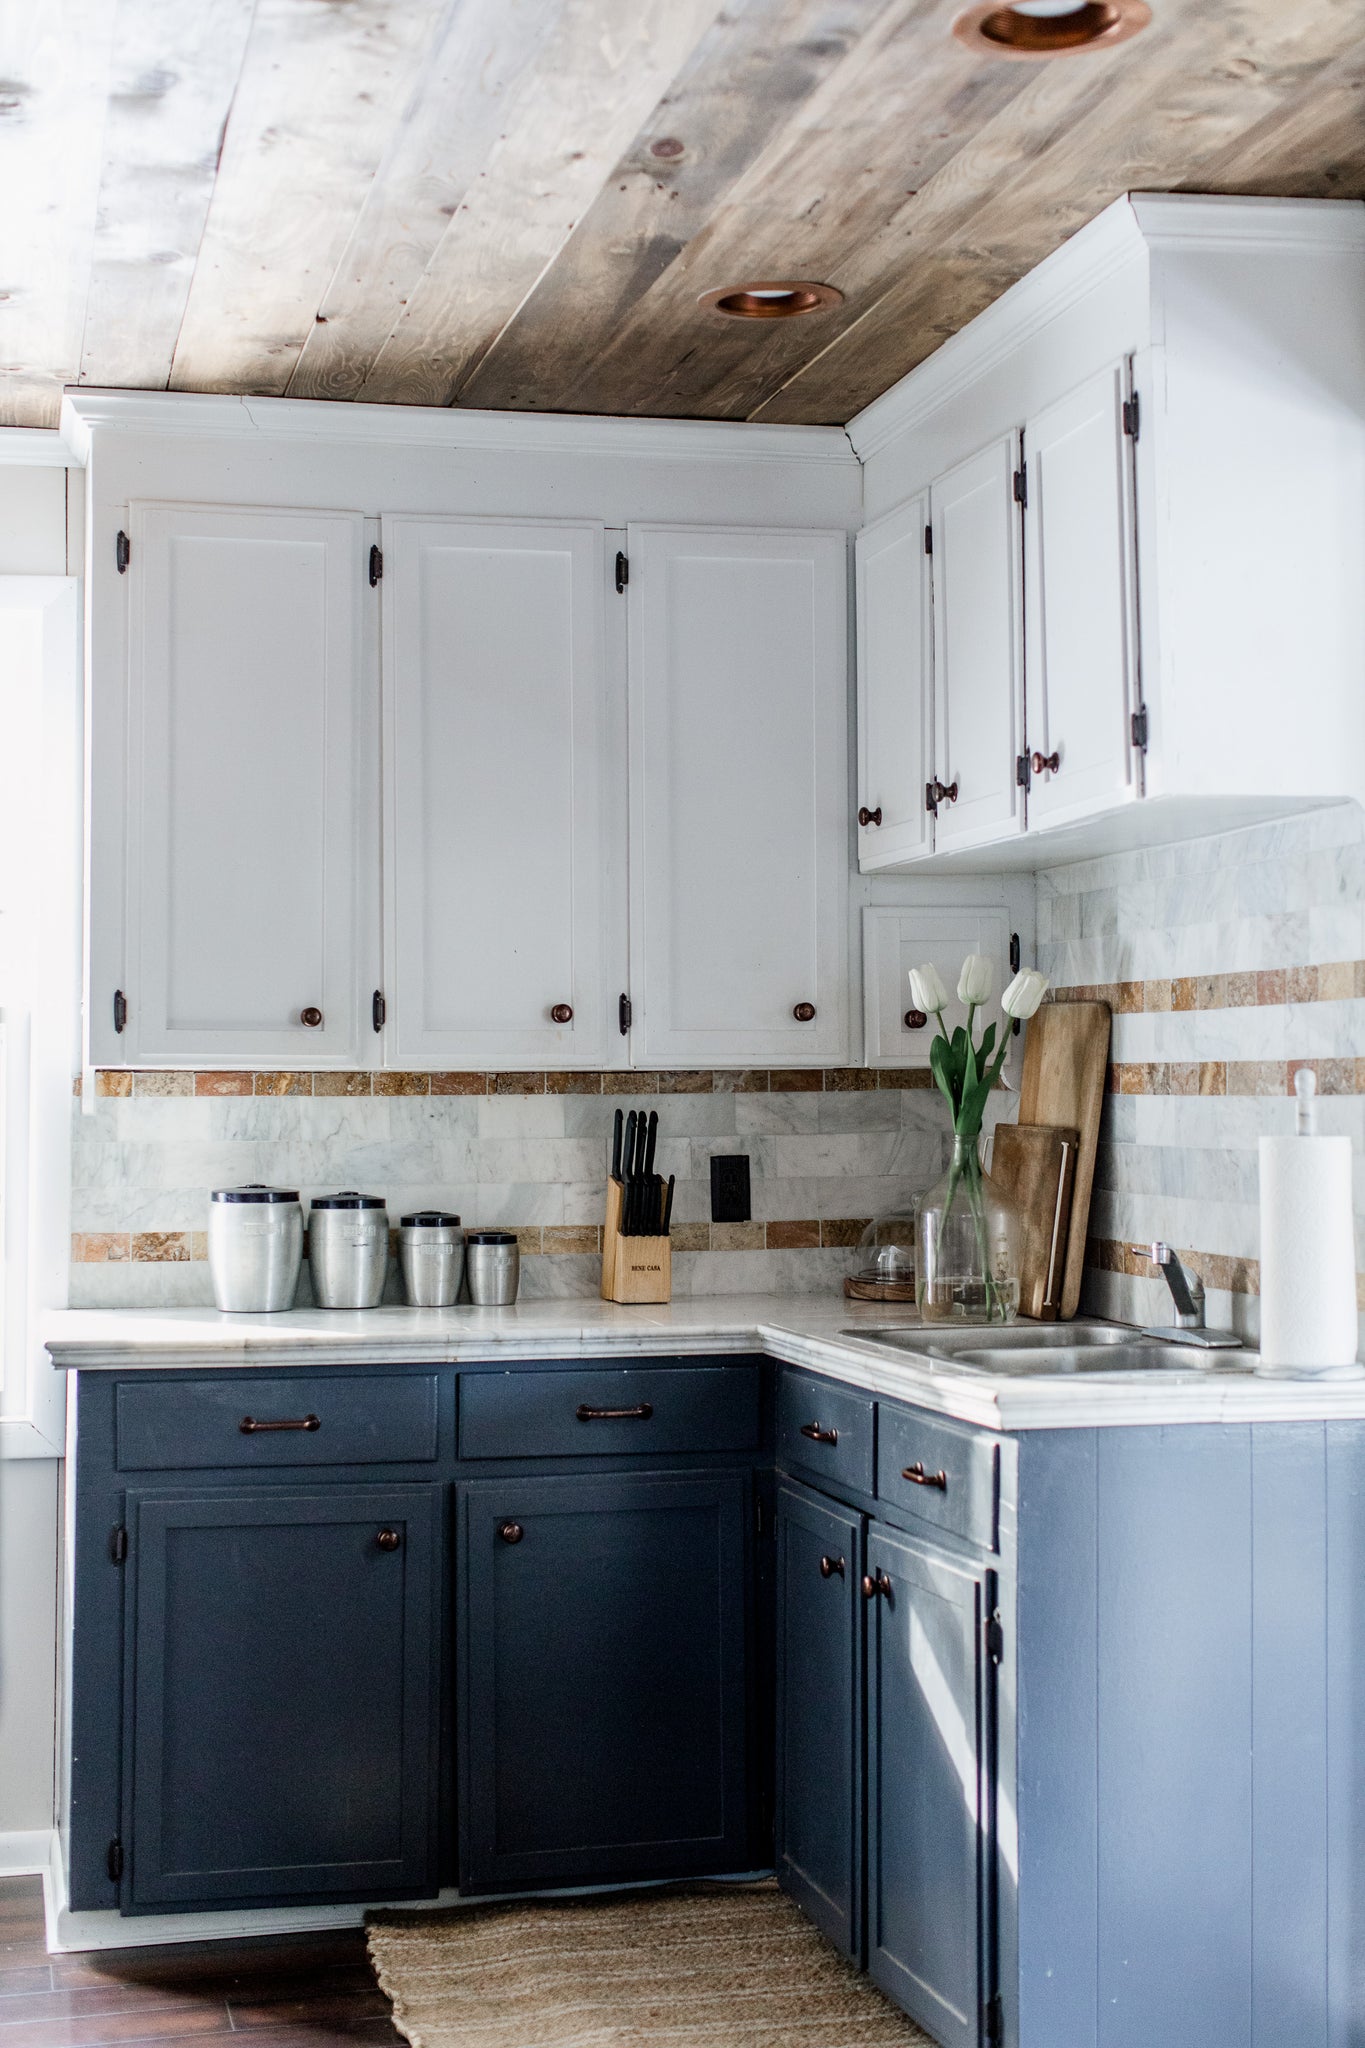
(896, 940)
(496, 787)
(245, 812)
(1080, 644)
(895, 680)
(739, 805)
(978, 668)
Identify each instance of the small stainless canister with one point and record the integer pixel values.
(348, 1249)
(255, 1247)
(493, 1267)
(431, 1254)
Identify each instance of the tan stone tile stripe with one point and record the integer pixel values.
(177, 1247)
(1337, 981)
(1233, 1077)
(1215, 1269)
(124, 1082)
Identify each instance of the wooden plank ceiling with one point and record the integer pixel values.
(484, 202)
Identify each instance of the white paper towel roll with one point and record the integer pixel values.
(1308, 1264)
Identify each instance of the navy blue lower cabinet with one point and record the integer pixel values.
(819, 1711)
(928, 1831)
(603, 1709)
(281, 1695)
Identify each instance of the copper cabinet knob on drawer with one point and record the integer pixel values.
(915, 1020)
(562, 1013)
(388, 1539)
(1046, 763)
(312, 1016)
(917, 1476)
(511, 1532)
(867, 817)
(804, 1012)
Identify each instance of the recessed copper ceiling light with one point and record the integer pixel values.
(1050, 28)
(779, 301)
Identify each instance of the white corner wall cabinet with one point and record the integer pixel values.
(464, 785)
(1108, 591)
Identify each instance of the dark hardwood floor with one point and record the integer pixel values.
(294, 1991)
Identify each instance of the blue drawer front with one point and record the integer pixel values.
(355, 1419)
(938, 1472)
(825, 1430)
(617, 1411)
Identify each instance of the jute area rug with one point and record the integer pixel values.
(695, 1967)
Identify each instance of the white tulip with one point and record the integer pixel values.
(974, 983)
(1024, 993)
(927, 992)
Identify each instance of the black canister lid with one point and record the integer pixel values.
(429, 1219)
(254, 1192)
(490, 1237)
(348, 1199)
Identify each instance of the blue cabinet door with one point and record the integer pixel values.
(819, 1711)
(282, 1695)
(927, 1815)
(603, 1707)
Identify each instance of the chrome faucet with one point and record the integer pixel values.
(1187, 1292)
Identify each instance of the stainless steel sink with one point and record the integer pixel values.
(1051, 1348)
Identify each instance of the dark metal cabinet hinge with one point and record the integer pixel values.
(123, 550)
(930, 800)
(995, 1636)
(118, 1544)
(1021, 483)
(1140, 730)
(115, 1860)
(625, 1011)
(1132, 418)
(376, 566)
(1016, 953)
(622, 571)
(993, 2019)
(120, 1010)
(379, 1009)
(1021, 771)
(928, 540)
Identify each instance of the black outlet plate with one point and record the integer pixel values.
(730, 1187)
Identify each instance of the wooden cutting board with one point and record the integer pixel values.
(1036, 1164)
(1066, 1058)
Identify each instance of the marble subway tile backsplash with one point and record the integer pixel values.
(828, 1151)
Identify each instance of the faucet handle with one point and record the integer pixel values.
(1159, 1254)
(1187, 1289)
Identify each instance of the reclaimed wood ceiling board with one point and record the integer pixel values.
(517, 203)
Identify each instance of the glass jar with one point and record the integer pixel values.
(970, 1241)
(884, 1264)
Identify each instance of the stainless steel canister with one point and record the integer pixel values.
(348, 1249)
(431, 1254)
(493, 1267)
(255, 1247)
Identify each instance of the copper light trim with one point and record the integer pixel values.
(1016, 31)
(782, 299)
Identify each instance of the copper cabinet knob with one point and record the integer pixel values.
(941, 793)
(1046, 763)
(804, 1012)
(915, 1020)
(388, 1539)
(869, 1587)
(312, 1016)
(562, 1013)
(831, 1567)
(511, 1532)
(877, 1587)
(867, 817)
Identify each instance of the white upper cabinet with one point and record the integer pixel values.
(1080, 653)
(739, 797)
(245, 815)
(500, 928)
(978, 667)
(895, 669)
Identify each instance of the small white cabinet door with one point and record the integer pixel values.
(496, 908)
(895, 680)
(245, 816)
(896, 940)
(739, 805)
(1080, 636)
(978, 668)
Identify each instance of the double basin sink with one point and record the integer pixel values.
(1053, 1348)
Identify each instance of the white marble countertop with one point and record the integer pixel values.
(830, 1336)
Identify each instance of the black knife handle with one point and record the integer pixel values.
(617, 1131)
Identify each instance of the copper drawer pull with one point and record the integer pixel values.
(878, 1587)
(804, 1013)
(511, 1532)
(831, 1567)
(917, 1476)
(312, 1016)
(641, 1413)
(1046, 764)
(249, 1425)
(388, 1539)
(818, 1435)
(867, 817)
(915, 1020)
(562, 1013)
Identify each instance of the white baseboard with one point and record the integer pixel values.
(26, 1853)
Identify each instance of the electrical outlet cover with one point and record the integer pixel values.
(730, 1187)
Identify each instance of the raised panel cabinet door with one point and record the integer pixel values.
(247, 808)
(499, 926)
(896, 940)
(1081, 621)
(895, 687)
(739, 797)
(604, 1697)
(927, 1797)
(281, 1709)
(978, 653)
(819, 1712)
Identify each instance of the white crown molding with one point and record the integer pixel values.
(34, 448)
(87, 411)
(1187, 220)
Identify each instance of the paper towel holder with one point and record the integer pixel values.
(1187, 1292)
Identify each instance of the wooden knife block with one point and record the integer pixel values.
(633, 1268)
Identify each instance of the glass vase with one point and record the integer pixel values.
(970, 1236)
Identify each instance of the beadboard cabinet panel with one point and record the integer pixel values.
(249, 711)
(739, 800)
(499, 906)
(1079, 603)
(895, 686)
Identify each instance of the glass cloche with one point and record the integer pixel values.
(884, 1264)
